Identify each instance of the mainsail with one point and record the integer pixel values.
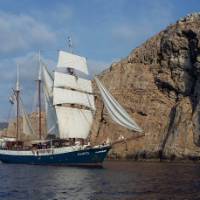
(74, 122)
(72, 97)
(115, 110)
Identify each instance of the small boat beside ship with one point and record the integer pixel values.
(69, 109)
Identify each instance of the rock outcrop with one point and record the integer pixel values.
(159, 86)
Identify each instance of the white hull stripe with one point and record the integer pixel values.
(50, 151)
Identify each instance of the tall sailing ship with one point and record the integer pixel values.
(69, 109)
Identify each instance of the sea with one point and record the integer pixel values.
(122, 180)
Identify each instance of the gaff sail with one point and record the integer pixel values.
(26, 123)
(52, 127)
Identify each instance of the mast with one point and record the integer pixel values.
(17, 92)
(70, 46)
(39, 100)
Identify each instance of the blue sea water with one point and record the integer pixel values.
(117, 180)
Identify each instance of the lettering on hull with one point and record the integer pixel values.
(83, 154)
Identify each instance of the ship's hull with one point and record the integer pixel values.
(74, 156)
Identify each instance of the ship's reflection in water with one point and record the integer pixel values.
(117, 180)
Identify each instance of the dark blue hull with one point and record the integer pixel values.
(86, 157)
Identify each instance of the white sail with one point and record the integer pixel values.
(52, 127)
(62, 80)
(115, 110)
(27, 127)
(69, 60)
(51, 119)
(73, 122)
(71, 90)
(65, 96)
(48, 81)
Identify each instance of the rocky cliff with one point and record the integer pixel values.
(159, 86)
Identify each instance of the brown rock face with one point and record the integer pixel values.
(159, 86)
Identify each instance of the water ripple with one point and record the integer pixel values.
(117, 180)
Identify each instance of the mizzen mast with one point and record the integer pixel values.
(39, 80)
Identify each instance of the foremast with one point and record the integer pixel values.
(17, 95)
